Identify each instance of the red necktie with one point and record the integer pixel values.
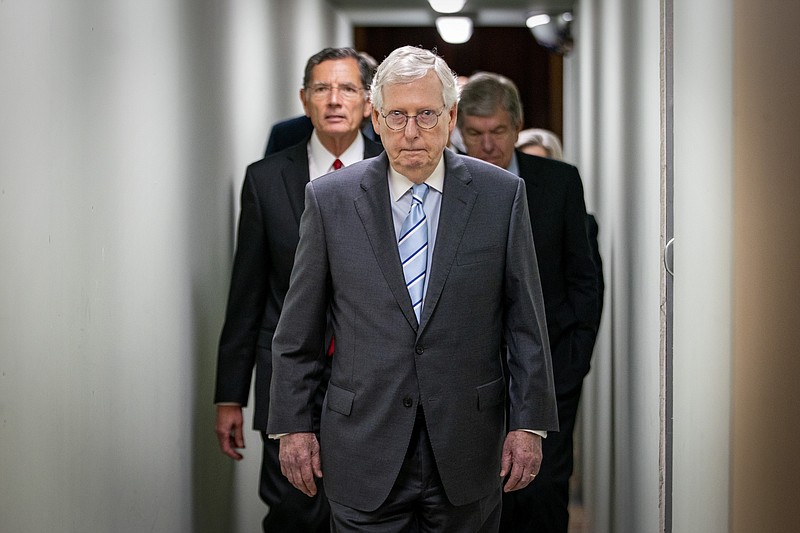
(337, 164)
(330, 347)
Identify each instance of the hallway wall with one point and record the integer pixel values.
(126, 127)
(703, 265)
(612, 132)
(736, 253)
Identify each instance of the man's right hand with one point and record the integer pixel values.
(229, 430)
(300, 462)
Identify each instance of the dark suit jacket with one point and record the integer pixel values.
(566, 268)
(483, 287)
(272, 203)
(287, 133)
(291, 131)
(592, 231)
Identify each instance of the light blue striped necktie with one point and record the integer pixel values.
(413, 245)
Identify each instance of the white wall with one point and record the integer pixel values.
(125, 130)
(703, 262)
(614, 129)
(612, 132)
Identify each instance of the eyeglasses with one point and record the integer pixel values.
(322, 91)
(426, 119)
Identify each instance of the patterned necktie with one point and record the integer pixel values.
(337, 164)
(413, 245)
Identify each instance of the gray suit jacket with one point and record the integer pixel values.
(483, 287)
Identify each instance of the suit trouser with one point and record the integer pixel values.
(417, 501)
(542, 506)
(289, 509)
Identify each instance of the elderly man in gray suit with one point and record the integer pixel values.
(423, 262)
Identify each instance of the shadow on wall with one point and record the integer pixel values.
(208, 245)
(213, 508)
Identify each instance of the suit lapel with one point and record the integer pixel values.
(529, 171)
(295, 178)
(375, 211)
(295, 173)
(458, 199)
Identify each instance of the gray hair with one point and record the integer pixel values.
(410, 63)
(544, 138)
(365, 69)
(485, 93)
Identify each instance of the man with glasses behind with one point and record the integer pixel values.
(334, 97)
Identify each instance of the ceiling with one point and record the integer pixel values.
(419, 12)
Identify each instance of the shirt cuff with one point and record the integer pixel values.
(539, 432)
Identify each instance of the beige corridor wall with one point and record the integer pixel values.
(766, 304)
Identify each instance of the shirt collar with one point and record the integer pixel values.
(513, 166)
(324, 159)
(399, 184)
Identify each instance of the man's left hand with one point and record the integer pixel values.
(522, 458)
(300, 461)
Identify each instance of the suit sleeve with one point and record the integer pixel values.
(580, 275)
(531, 390)
(592, 229)
(298, 359)
(246, 301)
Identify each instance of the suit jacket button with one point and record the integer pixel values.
(408, 402)
(419, 349)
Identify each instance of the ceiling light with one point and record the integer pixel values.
(454, 30)
(537, 20)
(447, 6)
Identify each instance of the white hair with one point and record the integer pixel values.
(409, 63)
(544, 138)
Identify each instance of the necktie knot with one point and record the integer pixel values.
(418, 193)
(337, 164)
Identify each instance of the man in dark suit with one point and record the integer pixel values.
(490, 118)
(545, 143)
(414, 425)
(335, 100)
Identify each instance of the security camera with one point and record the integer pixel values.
(552, 32)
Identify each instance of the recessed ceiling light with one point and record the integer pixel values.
(447, 6)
